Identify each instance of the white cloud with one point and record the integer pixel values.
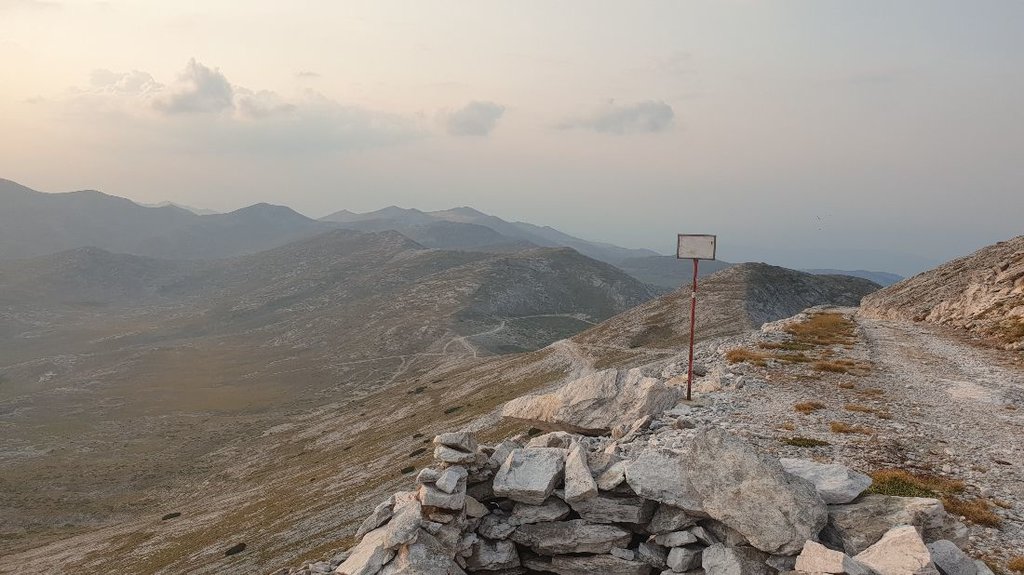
(200, 90)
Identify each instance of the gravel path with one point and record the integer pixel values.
(938, 404)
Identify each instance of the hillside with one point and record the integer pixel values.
(982, 293)
(883, 279)
(167, 363)
(300, 476)
(733, 301)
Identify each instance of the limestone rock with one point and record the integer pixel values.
(449, 480)
(660, 474)
(553, 509)
(425, 556)
(668, 518)
(721, 560)
(653, 554)
(530, 475)
(454, 456)
(575, 536)
(675, 539)
(368, 557)
(610, 508)
(950, 560)
(496, 525)
(901, 551)
(404, 525)
(595, 403)
(751, 493)
(380, 515)
(856, 526)
(835, 483)
(681, 559)
(588, 565)
(431, 496)
(612, 477)
(459, 440)
(579, 483)
(554, 439)
(493, 555)
(816, 558)
(474, 508)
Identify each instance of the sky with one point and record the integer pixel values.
(809, 133)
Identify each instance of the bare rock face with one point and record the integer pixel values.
(901, 551)
(750, 492)
(982, 293)
(816, 558)
(530, 475)
(835, 483)
(576, 536)
(595, 403)
(856, 526)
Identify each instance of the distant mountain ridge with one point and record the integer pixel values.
(881, 278)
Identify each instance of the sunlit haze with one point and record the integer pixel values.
(874, 135)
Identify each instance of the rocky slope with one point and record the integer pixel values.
(132, 374)
(982, 293)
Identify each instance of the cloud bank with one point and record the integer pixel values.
(642, 117)
(474, 119)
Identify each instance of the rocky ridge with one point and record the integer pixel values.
(982, 293)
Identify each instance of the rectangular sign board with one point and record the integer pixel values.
(696, 247)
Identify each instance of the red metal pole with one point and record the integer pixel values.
(693, 325)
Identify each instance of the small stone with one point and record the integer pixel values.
(675, 539)
(378, 517)
(653, 554)
(612, 477)
(721, 560)
(474, 508)
(579, 483)
(575, 536)
(899, 552)
(559, 439)
(450, 478)
(553, 509)
(816, 558)
(493, 555)
(682, 559)
(459, 440)
(611, 508)
(835, 483)
(667, 518)
(454, 456)
(431, 496)
(950, 560)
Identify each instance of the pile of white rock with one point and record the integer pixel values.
(576, 505)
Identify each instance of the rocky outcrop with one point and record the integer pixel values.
(595, 403)
(713, 504)
(982, 293)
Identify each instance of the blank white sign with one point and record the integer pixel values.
(696, 247)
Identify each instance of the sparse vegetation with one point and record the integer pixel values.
(847, 385)
(824, 329)
(808, 406)
(1016, 564)
(977, 511)
(804, 442)
(903, 483)
(842, 427)
(835, 365)
(858, 408)
(743, 355)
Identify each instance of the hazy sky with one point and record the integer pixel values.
(807, 133)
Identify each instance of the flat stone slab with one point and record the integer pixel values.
(530, 475)
(835, 483)
(576, 536)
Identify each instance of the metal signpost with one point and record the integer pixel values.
(694, 247)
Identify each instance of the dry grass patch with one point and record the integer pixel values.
(743, 355)
(847, 385)
(841, 427)
(977, 511)
(858, 408)
(788, 426)
(903, 483)
(787, 346)
(808, 406)
(1016, 564)
(823, 329)
(839, 366)
(871, 392)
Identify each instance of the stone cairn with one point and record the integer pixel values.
(577, 505)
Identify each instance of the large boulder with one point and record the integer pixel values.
(856, 526)
(660, 475)
(901, 551)
(751, 493)
(835, 483)
(595, 403)
(530, 475)
(579, 483)
(576, 536)
(425, 556)
(369, 556)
